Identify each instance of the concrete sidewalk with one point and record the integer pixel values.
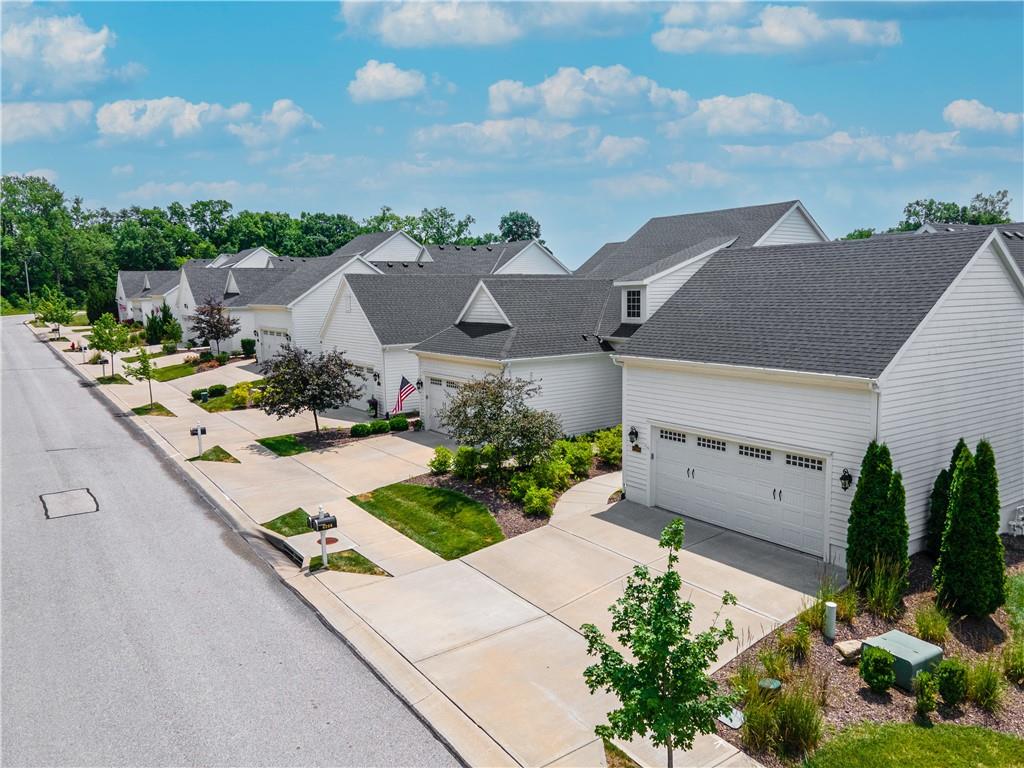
(487, 647)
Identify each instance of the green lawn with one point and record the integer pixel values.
(283, 445)
(218, 404)
(445, 522)
(135, 358)
(171, 372)
(290, 523)
(79, 318)
(350, 561)
(117, 378)
(905, 745)
(216, 454)
(153, 409)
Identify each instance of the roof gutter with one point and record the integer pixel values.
(858, 382)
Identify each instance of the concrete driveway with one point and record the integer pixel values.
(498, 630)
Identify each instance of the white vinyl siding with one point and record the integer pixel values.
(794, 227)
(833, 422)
(532, 260)
(398, 248)
(661, 290)
(399, 362)
(961, 375)
(482, 309)
(258, 259)
(584, 391)
(309, 311)
(350, 332)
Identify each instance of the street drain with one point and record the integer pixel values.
(77, 501)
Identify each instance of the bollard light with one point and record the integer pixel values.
(829, 629)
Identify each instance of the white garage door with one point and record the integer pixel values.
(271, 340)
(362, 400)
(439, 390)
(776, 495)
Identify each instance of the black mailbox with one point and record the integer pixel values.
(325, 523)
(196, 431)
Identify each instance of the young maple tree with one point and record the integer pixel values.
(142, 370)
(108, 335)
(298, 381)
(665, 690)
(213, 323)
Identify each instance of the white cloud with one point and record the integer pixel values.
(471, 23)
(284, 118)
(42, 119)
(616, 149)
(571, 92)
(744, 115)
(47, 173)
(309, 164)
(383, 81)
(706, 13)
(48, 52)
(973, 115)
(516, 135)
(123, 170)
(230, 189)
(141, 118)
(775, 29)
(675, 176)
(900, 150)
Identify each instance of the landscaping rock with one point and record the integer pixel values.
(849, 650)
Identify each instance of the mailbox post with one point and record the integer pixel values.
(322, 523)
(197, 432)
(84, 348)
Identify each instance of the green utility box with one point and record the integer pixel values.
(912, 654)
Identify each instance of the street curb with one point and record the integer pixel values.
(248, 533)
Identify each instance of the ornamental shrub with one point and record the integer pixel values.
(932, 624)
(877, 668)
(985, 686)
(1013, 659)
(878, 526)
(465, 463)
(359, 430)
(489, 464)
(796, 644)
(197, 394)
(939, 503)
(578, 455)
(539, 502)
(970, 577)
(398, 424)
(926, 691)
(442, 462)
(609, 446)
(222, 358)
(519, 486)
(205, 356)
(169, 347)
(555, 474)
(241, 393)
(249, 347)
(380, 426)
(951, 676)
(799, 719)
(217, 390)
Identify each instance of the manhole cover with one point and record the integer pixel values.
(77, 501)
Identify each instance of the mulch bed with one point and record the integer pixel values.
(508, 514)
(849, 699)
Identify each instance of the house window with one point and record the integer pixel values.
(710, 442)
(671, 434)
(755, 453)
(452, 384)
(805, 462)
(435, 382)
(633, 303)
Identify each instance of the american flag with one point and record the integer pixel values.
(404, 390)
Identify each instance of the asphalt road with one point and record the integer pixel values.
(148, 633)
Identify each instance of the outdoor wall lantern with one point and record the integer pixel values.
(376, 378)
(419, 383)
(634, 435)
(846, 479)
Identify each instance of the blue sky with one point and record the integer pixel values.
(593, 117)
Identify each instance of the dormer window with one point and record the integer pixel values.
(633, 303)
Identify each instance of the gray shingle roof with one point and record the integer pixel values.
(405, 309)
(667, 235)
(1012, 235)
(234, 258)
(549, 316)
(160, 281)
(678, 258)
(361, 244)
(843, 308)
(600, 255)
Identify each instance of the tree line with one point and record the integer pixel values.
(77, 250)
(983, 209)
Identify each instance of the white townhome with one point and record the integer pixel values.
(140, 293)
(753, 392)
